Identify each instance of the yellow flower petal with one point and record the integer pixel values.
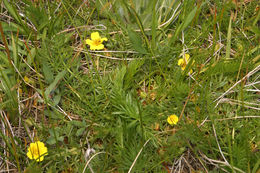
(183, 62)
(172, 119)
(95, 36)
(99, 47)
(89, 42)
(103, 39)
(96, 47)
(26, 79)
(37, 151)
(187, 57)
(29, 154)
(96, 41)
(180, 62)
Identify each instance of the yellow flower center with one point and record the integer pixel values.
(184, 64)
(97, 42)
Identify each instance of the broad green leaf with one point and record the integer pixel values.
(56, 99)
(187, 21)
(78, 123)
(48, 73)
(55, 82)
(189, 18)
(51, 140)
(136, 42)
(80, 131)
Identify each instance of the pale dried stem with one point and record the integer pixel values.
(168, 21)
(221, 162)
(220, 150)
(90, 160)
(245, 77)
(225, 100)
(103, 56)
(130, 169)
(84, 26)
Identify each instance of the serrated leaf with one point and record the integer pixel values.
(136, 42)
(12, 27)
(11, 10)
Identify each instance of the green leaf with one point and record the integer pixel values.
(78, 123)
(80, 131)
(256, 167)
(14, 13)
(47, 71)
(136, 42)
(12, 10)
(51, 140)
(187, 21)
(185, 24)
(12, 27)
(189, 18)
(55, 82)
(56, 99)
(3, 58)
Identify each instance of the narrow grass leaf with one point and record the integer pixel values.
(228, 47)
(187, 21)
(12, 27)
(154, 25)
(12, 10)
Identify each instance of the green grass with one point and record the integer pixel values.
(106, 111)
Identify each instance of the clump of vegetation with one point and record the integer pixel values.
(129, 86)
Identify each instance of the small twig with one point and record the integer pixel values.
(233, 118)
(182, 112)
(168, 21)
(221, 162)
(241, 104)
(130, 169)
(85, 26)
(61, 110)
(111, 51)
(19, 110)
(8, 123)
(103, 56)
(246, 76)
(90, 160)
(88, 153)
(215, 134)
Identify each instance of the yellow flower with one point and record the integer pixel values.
(37, 151)
(26, 79)
(172, 119)
(96, 41)
(183, 62)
